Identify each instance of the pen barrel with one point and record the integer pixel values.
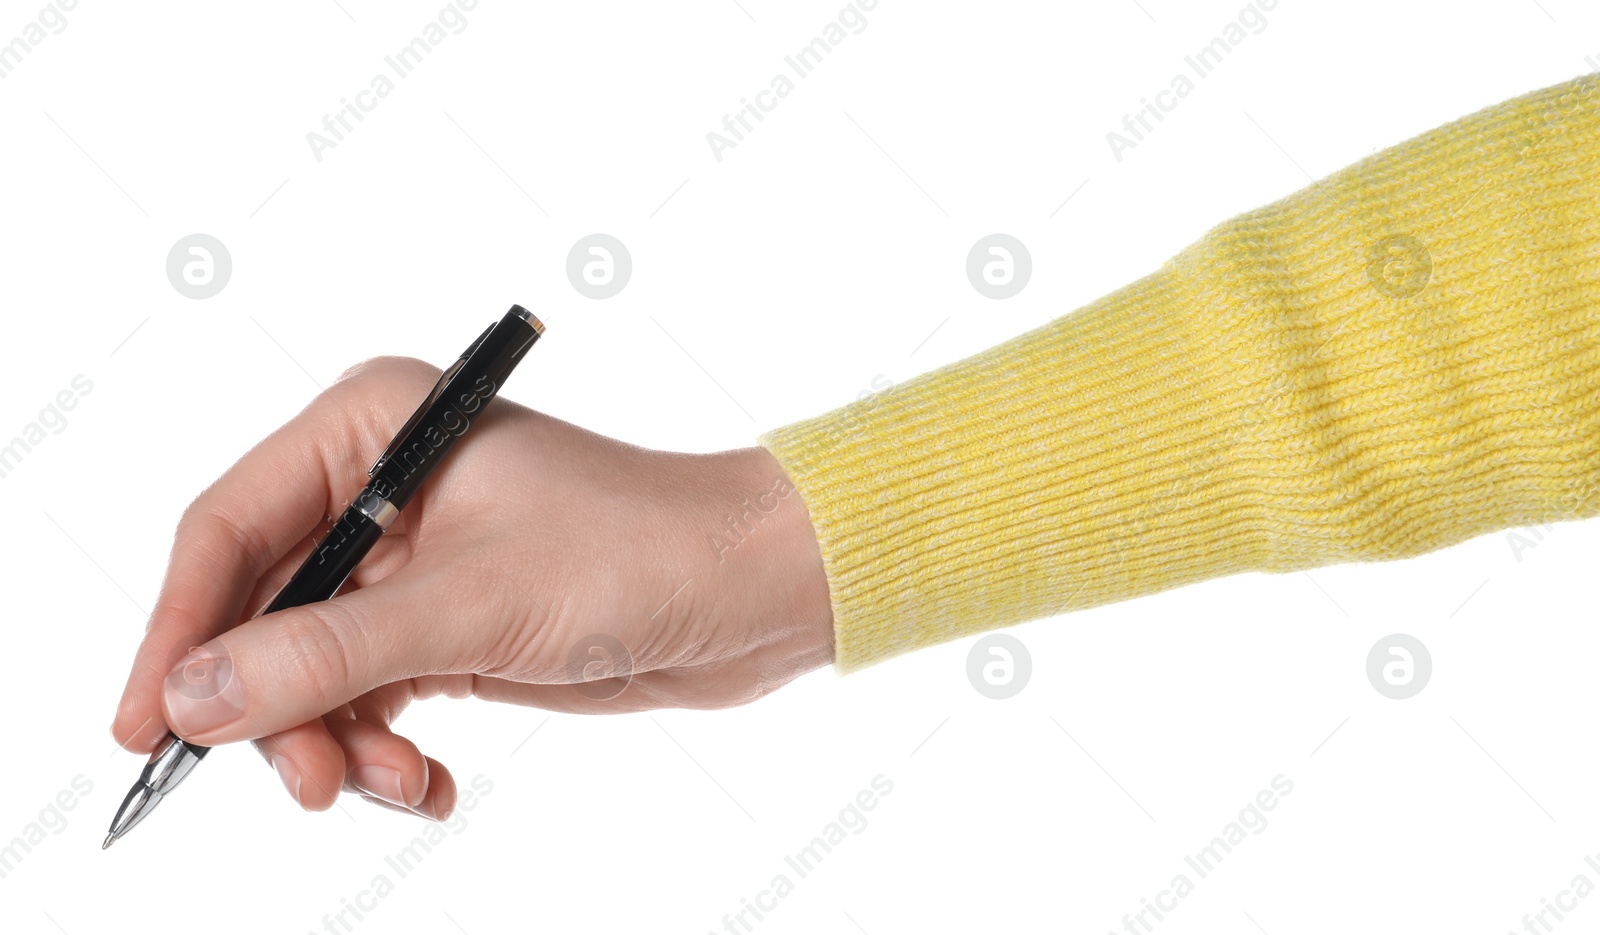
(331, 562)
(460, 400)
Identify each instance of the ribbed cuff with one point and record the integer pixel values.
(1400, 357)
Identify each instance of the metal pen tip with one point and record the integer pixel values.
(110, 840)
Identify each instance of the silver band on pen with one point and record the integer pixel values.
(377, 509)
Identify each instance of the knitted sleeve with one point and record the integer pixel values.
(1392, 360)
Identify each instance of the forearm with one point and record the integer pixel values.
(1400, 357)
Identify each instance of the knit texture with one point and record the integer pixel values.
(1397, 358)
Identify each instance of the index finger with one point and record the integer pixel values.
(231, 535)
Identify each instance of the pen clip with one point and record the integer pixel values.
(404, 434)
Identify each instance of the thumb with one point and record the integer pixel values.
(286, 668)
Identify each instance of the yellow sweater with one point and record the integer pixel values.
(1399, 357)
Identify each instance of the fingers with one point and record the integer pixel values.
(233, 533)
(380, 763)
(359, 754)
(309, 762)
(439, 803)
(289, 667)
(384, 766)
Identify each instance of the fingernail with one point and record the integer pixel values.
(380, 781)
(203, 693)
(429, 811)
(289, 776)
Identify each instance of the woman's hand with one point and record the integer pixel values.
(542, 565)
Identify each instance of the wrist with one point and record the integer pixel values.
(784, 576)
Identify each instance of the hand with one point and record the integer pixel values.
(542, 565)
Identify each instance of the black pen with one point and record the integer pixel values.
(460, 396)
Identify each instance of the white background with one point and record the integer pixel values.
(826, 249)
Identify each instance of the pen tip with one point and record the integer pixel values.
(110, 839)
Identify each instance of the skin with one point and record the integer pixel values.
(533, 537)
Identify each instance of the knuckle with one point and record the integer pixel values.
(385, 364)
(749, 694)
(316, 656)
(204, 527)
(206, 524)
(197, 518)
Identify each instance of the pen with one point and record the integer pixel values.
(459, 397)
